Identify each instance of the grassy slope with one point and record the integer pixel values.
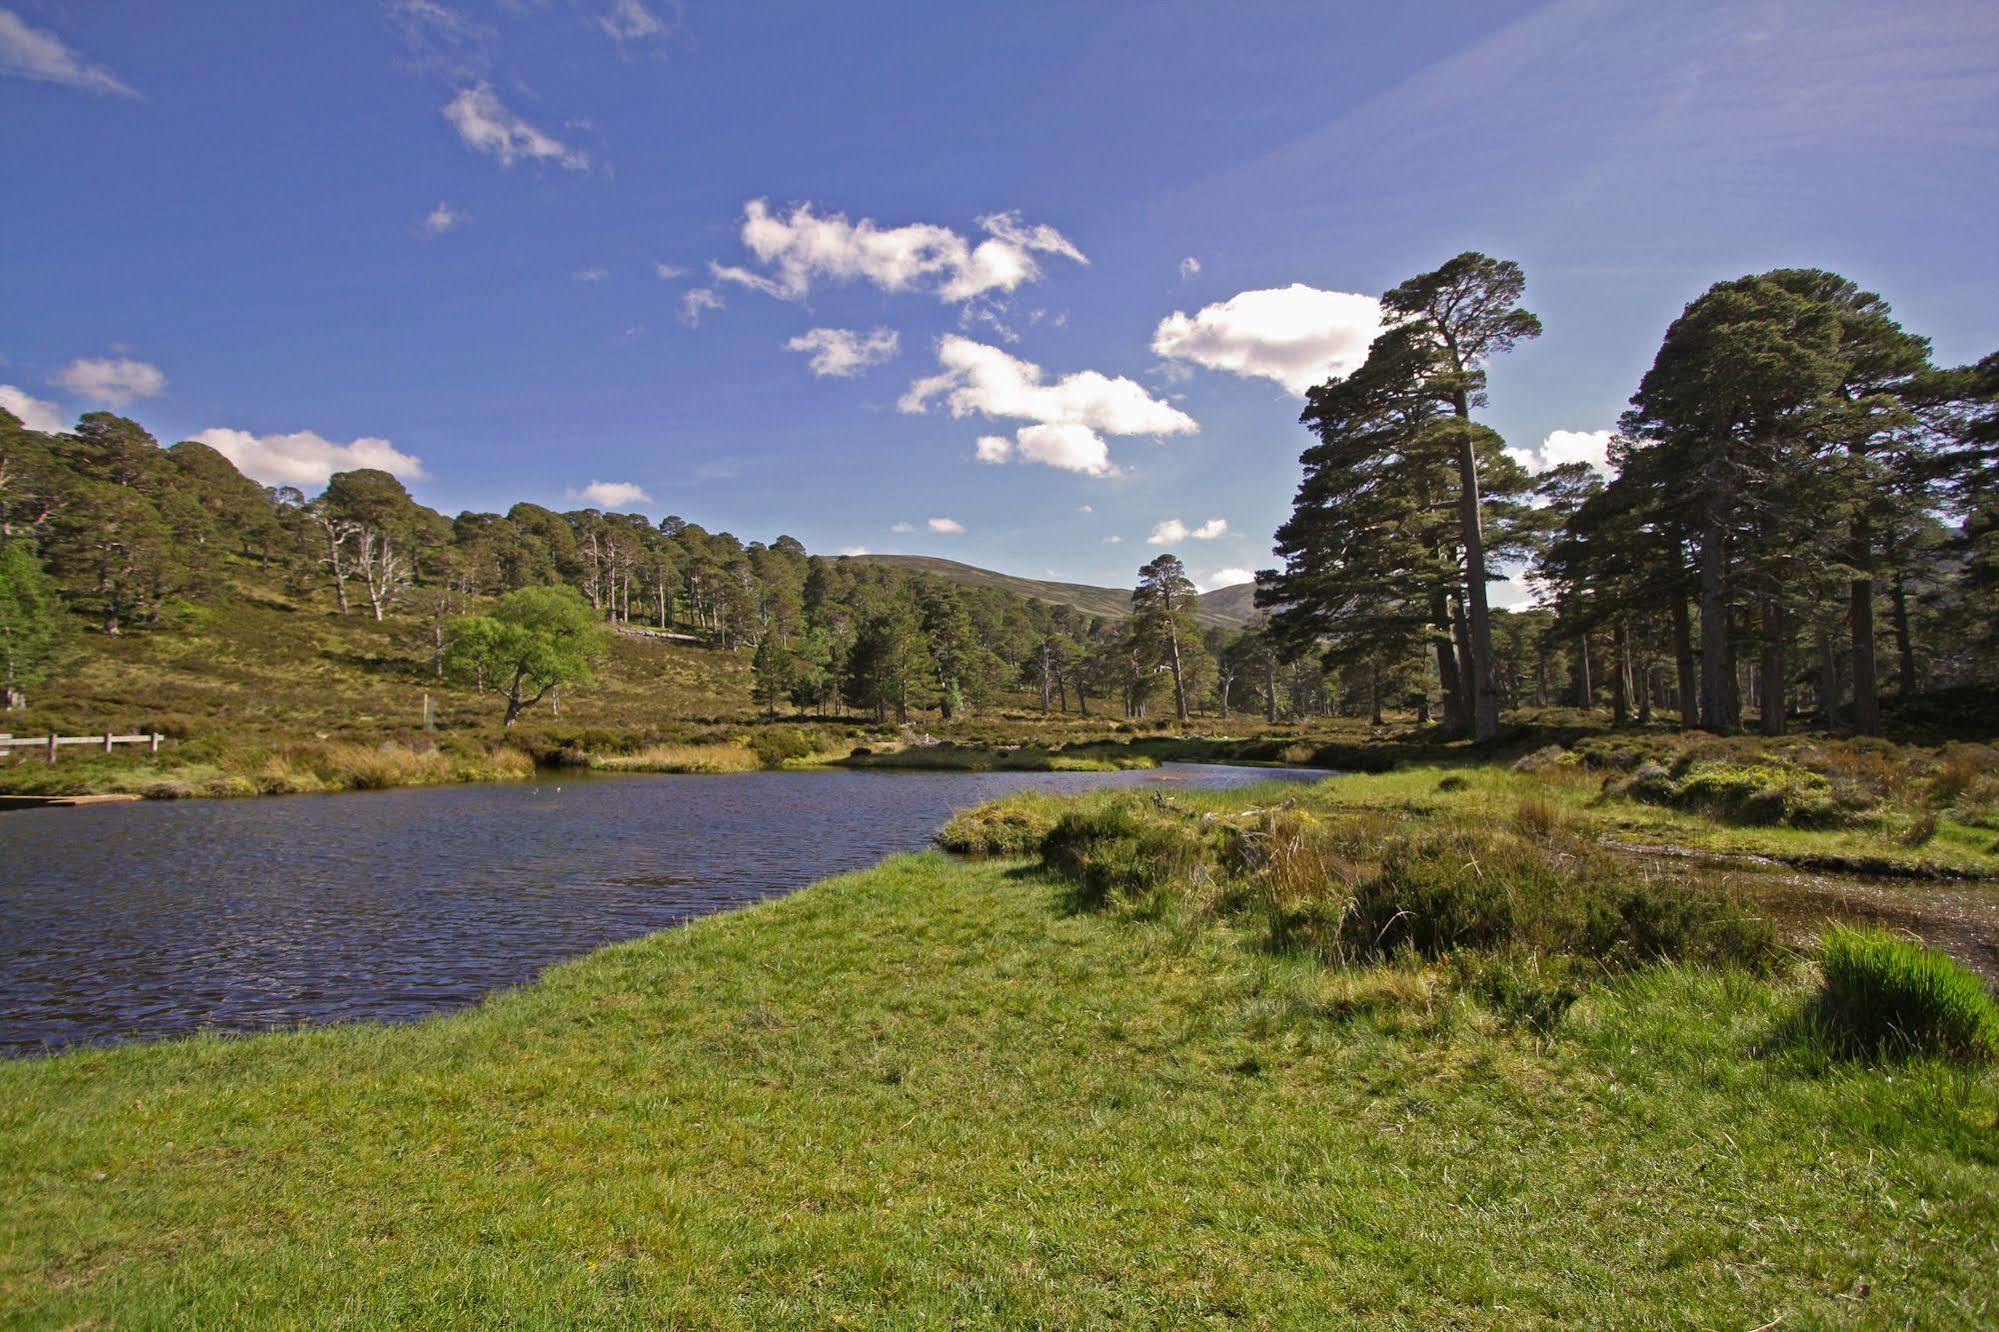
(1229, 607)
(926, 1093)
(1957, 849)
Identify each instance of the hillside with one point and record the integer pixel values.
(1228, 607)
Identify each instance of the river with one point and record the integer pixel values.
(123, 921)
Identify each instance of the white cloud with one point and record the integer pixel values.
(34, 53)
(853, 550)
(32, 412)
(948, 526)
(115, 382)
(592, 274)
(1297, 335)
(843, 353)
(488, 127)
(900, 528)
(1222, 578)
(1086, 508)
(667, 272)
(1188, 267)
(801, 248)
(306, 458)
(1113, 541)
(612, 495)
(1073, 448)
(692, 303)
(442, 219)
(1173, 530)
(1567, 446)
(631, 21)
(1070, 416)
(982, 379)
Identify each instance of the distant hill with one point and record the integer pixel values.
(1229, 607)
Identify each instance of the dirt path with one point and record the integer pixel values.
(1960, 918)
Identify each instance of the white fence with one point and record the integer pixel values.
(52, 745)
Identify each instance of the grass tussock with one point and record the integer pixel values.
(702, 758)
(1883, 994)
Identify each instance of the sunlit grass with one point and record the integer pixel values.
(930, 1094)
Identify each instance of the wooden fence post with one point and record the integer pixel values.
(52, 746)
(156, 742)
(107, 742)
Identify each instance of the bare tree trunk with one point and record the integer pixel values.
(1179, 685)
(1620, 674)
(1686, 682)
(1771, 681)
(1860, 611)
(1457, 717)
(1717, 669)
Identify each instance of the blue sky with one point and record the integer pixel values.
(430, 234)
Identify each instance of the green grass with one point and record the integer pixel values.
(1882, 993)
(930, 1095)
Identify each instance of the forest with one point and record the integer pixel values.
(1797, 519)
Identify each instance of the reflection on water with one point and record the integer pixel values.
(158, 919)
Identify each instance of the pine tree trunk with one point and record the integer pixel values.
(1717, 669)
(1683, 664)
(1179, 685)
(1860, 611)
(1771, 672)
(1620, 676)
(1457, 718)
(1270, 688)
(1905, 647)
(1484, 689)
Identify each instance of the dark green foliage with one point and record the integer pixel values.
(1528, 989)
(1122, 850)
(1887, 995)
(1746, 793)
(1441, 891)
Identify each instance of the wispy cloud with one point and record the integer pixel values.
(947, 526)
(1189, 267)
(486, 126)
(114, 381)
(592, 274)
(442, 219)
(38, 54)
(632, 21)
(695, 303)
(842, 353)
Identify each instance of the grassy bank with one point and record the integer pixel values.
(941, 1092)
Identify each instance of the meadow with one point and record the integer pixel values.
(1281, 1056)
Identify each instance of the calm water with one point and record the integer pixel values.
(156, 919)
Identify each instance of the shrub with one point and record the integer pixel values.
(1454, 782)
(1751, 793)
(1525, 988)
(1120, 850)
(1883, 994)
(1012, 827)
(1439, 892)
(775, 745)
(1288, 870)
